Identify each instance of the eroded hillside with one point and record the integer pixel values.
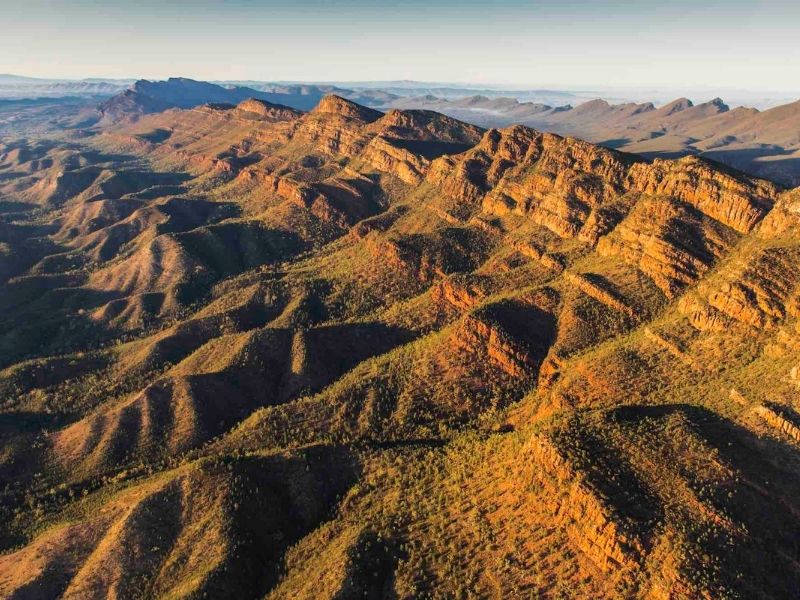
(254, 352)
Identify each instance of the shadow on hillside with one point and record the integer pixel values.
(761, 494)
(57, 323)
(15, 423)
(333, 350)
(533, 327)
(156, 136)
(12, 208)
(776, 164)
(615, 143)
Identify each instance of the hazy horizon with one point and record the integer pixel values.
(572, 94)
(561, 45)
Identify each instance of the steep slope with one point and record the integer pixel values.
(209, 528)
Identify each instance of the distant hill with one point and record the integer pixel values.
(146, 97)
(19, 87)
(9, 78)
(764, 143)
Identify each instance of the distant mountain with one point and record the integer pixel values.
(380, 94)
(764, 143)
(306, 97)
(299, 96)
(9, 78)
(479, 109)
(19, 87)
(146, 97)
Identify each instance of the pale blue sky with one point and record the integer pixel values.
(680, 43)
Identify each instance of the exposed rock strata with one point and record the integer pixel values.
(590, 524)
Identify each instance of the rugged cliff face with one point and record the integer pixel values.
(250, 351)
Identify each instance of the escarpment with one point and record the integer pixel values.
(386, 156)
(606, 539)
(669, 241)
(728, 198)
(541, 176)
(267, 110)
(479, 336)
(671, 219)
(758, 285)
(775, 416)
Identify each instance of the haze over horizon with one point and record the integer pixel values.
(680, 45)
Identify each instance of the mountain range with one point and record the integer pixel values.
(18, 87)
(250, 350)
(764, 143)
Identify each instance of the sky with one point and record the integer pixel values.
(571, 44)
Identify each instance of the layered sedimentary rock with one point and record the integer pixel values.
(386, 156)
(533, 251)
(730, 199)
(541, 176)
(591, 525)
(775, 417)
(461, 295)
(599, 292)
(668, 241)
(759, 289)
(480, 336)
(266, 110)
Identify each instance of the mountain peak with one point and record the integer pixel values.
(428, 125)
(677, 106)
(262, 108)
(719, 104)
(593, 105)
(643, 108)
(146, 96)
(333, 104)
(476, 99)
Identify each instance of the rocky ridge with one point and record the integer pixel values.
(503, 359)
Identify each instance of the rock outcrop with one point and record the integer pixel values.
(777, 417)
(460, 295)
(556, 182)
(599, 293)
(385, 156)
(336, 105)
(591, 525)
(536, 253)
(480, 336)
(731, 199)
(264, 110)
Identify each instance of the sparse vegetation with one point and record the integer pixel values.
(251, 352)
